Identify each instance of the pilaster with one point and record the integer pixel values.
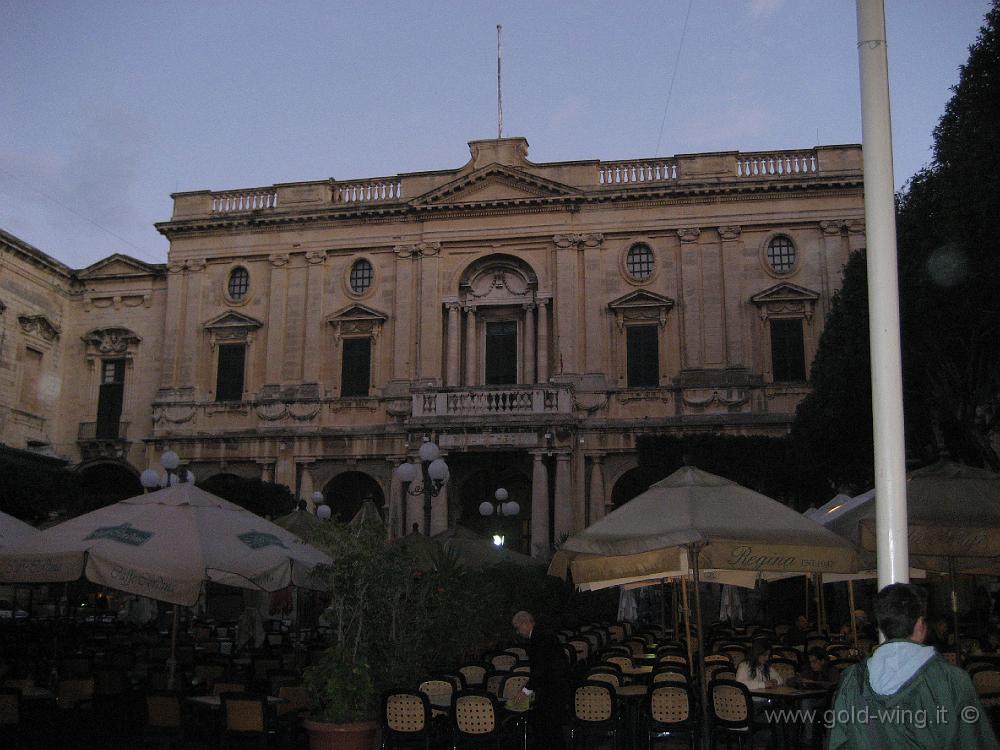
(564, 496)
(539, 507)
(276, 319)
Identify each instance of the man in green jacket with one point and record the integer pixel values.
(906, 695)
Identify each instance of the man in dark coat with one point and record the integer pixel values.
(549, 683)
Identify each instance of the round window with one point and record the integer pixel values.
(639, 262)
(362, 274)
(781, 254)
(239, 283)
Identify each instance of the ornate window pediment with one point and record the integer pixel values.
(498, 280)
(357, 320)
(786, 301)
(110, 341)
(641, 306)
(39, 326)
(232, 327)
(118, 266)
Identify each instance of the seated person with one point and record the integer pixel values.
(941, 637)
(797, 636)
(818, 672)
(756, 672)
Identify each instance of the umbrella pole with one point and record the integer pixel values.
(173, 649)
(687, 623)
(663, 606)
(674, 612)
(693, 551)
(821, 607)
(806, 579)
(854, 622)
(954, 610)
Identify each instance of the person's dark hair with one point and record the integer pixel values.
(759, 647)
(898, 606)
(819, 653)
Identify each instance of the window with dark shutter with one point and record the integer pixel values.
(229, 384)
(788, 360)
(643, 357)
(355, 376)
(501, 353)
(109, 399)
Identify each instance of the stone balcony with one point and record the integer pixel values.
(505, 403)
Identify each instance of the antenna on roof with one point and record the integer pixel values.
(499, 91)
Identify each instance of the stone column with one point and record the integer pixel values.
(189, 345)
(543, 341)
(733, 274)
(394, 514)
(597, 498)
(311, 359)
(439, 512)
(539, 508)
(529, 343)
(173, 322)
(306, 484)
(454, 336)
(564, 496)
(470, 346)
(265, 470)
(275, 331)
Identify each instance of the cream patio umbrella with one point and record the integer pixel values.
(953, 522)
(478, 552)
(718, 523)
(164, 545)
(13, 530)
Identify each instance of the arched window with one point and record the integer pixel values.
(239, 283)
(639, 262)
(781, 254)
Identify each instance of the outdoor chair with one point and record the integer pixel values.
(473, 674)
(669, 674)
(595, 711)
(617, 633)
(791, 654)
(219, 688)
(164, 721)
(669, 712)
(735, 652)
(636, 646)
(519, 652)
(207, 674)
(492, 680)
(475, 719)
(522, 667)
(405, 719)
(75, 694)
(501, 661)
(616, 650)
(784, 667)
(582, 648)
(673, 660)
(605, 673)
(730, 708)
(439, 692)
(511, 686)
(986, 680)
(622, 662)
(245, 720)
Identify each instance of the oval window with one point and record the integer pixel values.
(639, 262)
(239, 283)
(362, 274)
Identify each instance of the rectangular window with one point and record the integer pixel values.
(355, 375)
(643, 356)
(788, 359)
(109, 399)
(232, 362)
(30, 377)
(501, 353)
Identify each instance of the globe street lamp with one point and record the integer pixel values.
(500, 507)
(433, 472)
(170, 461)
(323, 511)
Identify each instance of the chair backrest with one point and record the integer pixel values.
(492, 681)
(244, 713)
(438, 691)
(512, 684)
(503, 662)
(617, 633)
(594, 702)
(730, 703)
(519, 652)
(817, 640)
(219, 688)
(735, 653)
(784, 667)
(209, 672)
(718, 659)
(10, 706)
(582, 648)
(406, 711)
(522, 668)
(670, 703)
(986, 680)
(163, 710)
(669, 674)
(599, 675)
(473, 674)
(950, 656)
(625, 662)
(71, 693)
(474, 712)
(296, 700)
(636, 645)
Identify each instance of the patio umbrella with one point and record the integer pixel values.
(164, 545)
(717, 522)
(301, 523)
(478, 552)
(953, 522)
(13, 530)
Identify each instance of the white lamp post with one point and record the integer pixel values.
(323, 511)
(499, 508)
(434, 475)
(170, 461)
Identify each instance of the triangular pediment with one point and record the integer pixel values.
(641, 298)
(118, 265)
(356, 312)
(232, 319)
(784, 292)
(493, 184)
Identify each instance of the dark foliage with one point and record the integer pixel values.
(263, 498)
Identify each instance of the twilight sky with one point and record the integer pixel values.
(108, 107)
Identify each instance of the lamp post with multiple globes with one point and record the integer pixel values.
(433, 473)
(499, 507)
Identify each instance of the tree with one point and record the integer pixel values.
(949, 264)
(262, 498)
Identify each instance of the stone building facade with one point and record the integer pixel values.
(531, 318)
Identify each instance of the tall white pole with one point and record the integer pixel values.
(499, 89)
(883, 298)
